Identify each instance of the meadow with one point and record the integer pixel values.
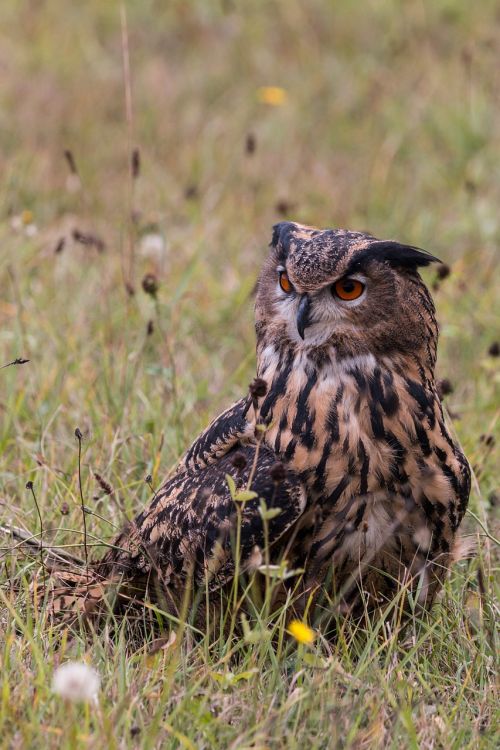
(165, 139)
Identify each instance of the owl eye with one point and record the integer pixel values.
(285, 282)
(348, 289)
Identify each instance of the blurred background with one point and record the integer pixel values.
(165, 139)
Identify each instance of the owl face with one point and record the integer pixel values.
(344, 291)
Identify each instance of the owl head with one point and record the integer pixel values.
(347, 292)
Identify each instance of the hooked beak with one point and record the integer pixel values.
(303, 314)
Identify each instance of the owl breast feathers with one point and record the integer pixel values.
(347, 469)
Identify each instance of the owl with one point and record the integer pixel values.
(337, 463)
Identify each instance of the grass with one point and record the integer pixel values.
(389, 122)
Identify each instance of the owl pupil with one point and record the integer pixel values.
(348, 286)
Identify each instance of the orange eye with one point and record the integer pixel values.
(348, 289)
(285, 283)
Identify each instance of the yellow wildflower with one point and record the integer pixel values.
(301, 632)
(273, 95)
(27, 217)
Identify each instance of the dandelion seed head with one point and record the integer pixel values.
(76, 682)
(153, 246)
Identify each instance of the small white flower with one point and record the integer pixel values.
(76, 682)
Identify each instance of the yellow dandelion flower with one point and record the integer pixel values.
(301, 632)
(27, 217)
(273, 95)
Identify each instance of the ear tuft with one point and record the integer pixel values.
(281, 238)
(279, 230)
(395, 254)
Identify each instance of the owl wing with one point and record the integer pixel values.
(221, 435)
(190, 527)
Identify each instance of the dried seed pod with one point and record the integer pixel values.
(150, 284)
(136, 163)
(278, 472)
(239, 461)
(443, 271)
(103, 484)
(250, 144)
(257, 388)
(444, 387)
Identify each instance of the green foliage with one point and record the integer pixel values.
(387, 122)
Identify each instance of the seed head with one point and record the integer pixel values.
(103, 484)
(239, 461)
(153, 245)
(64, 509)
(443, 271)
(29, 485)
(257, 388)
(283, 207)
(494, 350)
(76, 682)
(136, 163)
(60, 245)
(444, 387)
(487, 439)
(191, 192)
(89, 239)
(150, 284)
(18, 361)
(278, 472)
(70, 159)
(250, 144)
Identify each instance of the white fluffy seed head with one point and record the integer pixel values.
(153, 246)
(76, 682)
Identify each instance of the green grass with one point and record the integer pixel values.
(390, 124)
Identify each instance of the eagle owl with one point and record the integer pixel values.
(342, 435)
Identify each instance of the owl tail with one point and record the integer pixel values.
(65, 591)
(65, 597)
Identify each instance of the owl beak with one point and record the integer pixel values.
(303, 314)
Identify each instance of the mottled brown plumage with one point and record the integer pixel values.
(373, 488)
